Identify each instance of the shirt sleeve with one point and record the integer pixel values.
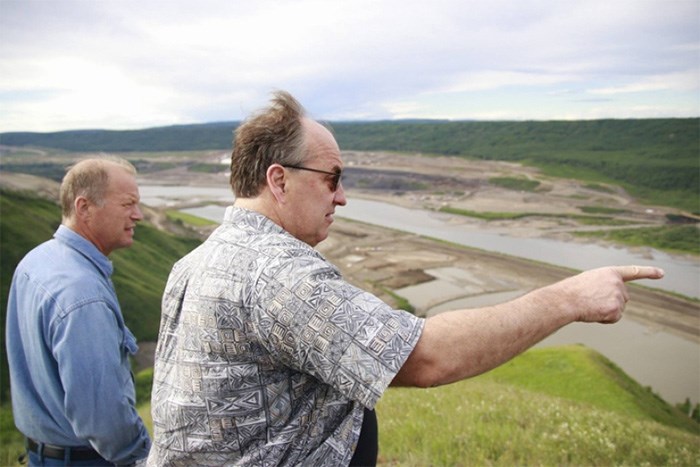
(317, 323)
(92, 354)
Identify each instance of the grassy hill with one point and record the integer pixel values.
(139, 276)
(554, 406)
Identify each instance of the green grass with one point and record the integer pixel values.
(517, 184)
(556, 406)
(140, 275)
(485, 215)
(500, 216)
(484, 423)
(11, 440)
(672, 238)
(601, 210)
(599, 187)
(567, 406)
(584, 375)
(189, 219)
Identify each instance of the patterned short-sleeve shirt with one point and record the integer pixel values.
(265, 355)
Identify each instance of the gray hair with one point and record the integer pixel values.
(272, 136)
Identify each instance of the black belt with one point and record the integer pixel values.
(58, 452)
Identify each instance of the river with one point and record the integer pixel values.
(663, 361)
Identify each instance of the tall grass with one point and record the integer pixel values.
(482, 422)
(561, 406)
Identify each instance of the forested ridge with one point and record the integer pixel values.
(650, 156)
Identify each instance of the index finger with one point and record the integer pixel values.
(631, 273)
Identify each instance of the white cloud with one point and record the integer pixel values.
(88, 93)
(487, 80)
(123, 64)
(687, 81)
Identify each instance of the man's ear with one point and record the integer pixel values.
(81, 206)
(276, 181)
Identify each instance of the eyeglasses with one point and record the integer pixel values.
(335, 181)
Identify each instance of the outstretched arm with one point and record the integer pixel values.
(464, 343)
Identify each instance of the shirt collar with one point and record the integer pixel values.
(259, 222)
(85, 247)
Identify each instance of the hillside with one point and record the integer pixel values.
(653, 158)
(27, 220)
(558, 406)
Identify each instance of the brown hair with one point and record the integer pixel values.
(272, 136)
(89, 178)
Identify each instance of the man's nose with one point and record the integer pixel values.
(340, 198)
(137, 214)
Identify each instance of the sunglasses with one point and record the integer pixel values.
(335, 181)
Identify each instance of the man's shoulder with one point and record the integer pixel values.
(256, 239)
(61, 271)
(53, 255)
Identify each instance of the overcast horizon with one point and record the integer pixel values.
(126, 64)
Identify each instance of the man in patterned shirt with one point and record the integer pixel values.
(266, 356)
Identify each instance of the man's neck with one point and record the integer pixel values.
(260, 205)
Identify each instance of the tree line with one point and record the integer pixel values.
(660, 155)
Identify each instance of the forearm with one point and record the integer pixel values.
(460, 344)
(464, 343)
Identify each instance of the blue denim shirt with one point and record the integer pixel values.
(68, 351)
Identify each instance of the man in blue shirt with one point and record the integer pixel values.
(73, 394)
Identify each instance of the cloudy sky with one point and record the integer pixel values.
(117, 64)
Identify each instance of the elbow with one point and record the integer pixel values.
(428, 379)
(425, 369)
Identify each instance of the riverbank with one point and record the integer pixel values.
(386, 261)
